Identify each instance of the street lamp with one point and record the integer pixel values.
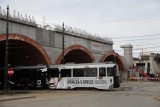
(6, 54)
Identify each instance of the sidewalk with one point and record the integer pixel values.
(15, 96)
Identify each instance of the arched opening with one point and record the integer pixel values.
(76, 54)
(22, 51)
(114, 57)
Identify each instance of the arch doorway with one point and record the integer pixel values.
(114, 57)
(76, 54)
(23, 51)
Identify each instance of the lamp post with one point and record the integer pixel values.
(6, 54)
(63, 59)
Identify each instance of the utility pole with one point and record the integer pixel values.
(142, 56)
(114, 57)
(6, 54)
(63, 59)
(142, 59)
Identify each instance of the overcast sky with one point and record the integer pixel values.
(107, 18)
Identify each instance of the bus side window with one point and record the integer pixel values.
(78, 72)
(102, 72)
(53, 72)
(65, 72)
(90, 72)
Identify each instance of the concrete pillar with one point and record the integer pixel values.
(128, 55)
(128, 58)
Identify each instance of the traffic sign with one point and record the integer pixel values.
(10, 71)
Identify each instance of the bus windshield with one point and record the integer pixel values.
(112, 71)
(85, 72)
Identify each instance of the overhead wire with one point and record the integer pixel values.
(135, 36)
(139, 38)
(135, 39)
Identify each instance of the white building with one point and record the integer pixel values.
(150, 64)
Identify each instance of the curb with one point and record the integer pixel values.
(16, 98)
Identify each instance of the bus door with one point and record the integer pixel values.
(64, 74)
(41, 78)
(113, 71)
(103, 74)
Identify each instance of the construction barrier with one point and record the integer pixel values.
(143, 79)
(154, 79)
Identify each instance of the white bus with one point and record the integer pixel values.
(88, 75)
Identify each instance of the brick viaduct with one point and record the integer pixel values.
(30, 44)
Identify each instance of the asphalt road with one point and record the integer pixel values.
(131, 94)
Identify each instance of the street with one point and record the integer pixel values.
(131, 94)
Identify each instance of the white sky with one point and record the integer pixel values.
(107, 18)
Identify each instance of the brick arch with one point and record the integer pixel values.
(113, 56)
(73, 48)
(14, 36)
